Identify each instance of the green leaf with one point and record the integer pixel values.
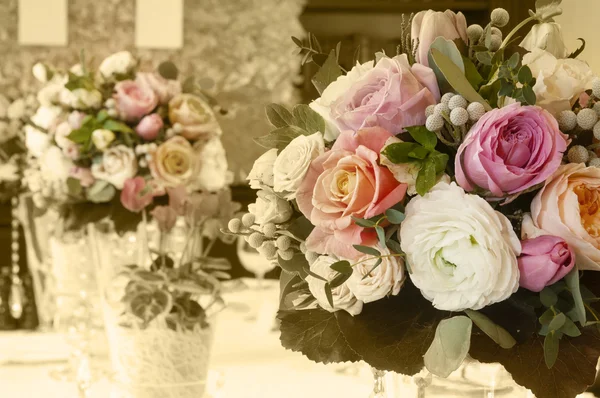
(456, 78)
(557, 322)
(394, 246)
(279, 116)
(548, 297)
(102, 116)
(547, 317)
(367, 250)
(380, 235)
(578, 52)
(570, 329)
(339, 280)
(495, 332)
(525, 75)
(116, 126)
(81, 135)
(297, 41)
(168, 70)
(506, 89)
(572, 280)
(101, 192)
(76, 82)
(301, 228)
(74, 186)
(394, 216)
(399, 152)
(419, 153)
(328, 294)
(426, 178)
(377, 264)
(529, 95)
(440, 160)
(316, 276)
(551, 343)
(364, 223)
(296, 265)
(423, 136)
(450, 346)
(448, 48)
(485, 57)
(279, 138)
(513, 61)
(472, 74)
(328, 73)
(343, 267)
(307, 119)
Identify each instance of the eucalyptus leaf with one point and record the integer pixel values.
(380, 235)
(495, 332)
(485, 57)
(547, 317)
(440, 160)
(74, 187)
(339, 280)
(525, 74)
(394, 246)
(101, 192)
(529, 95)
(364, 223)
(513, 61)
(279, 138)
(572, 280)
(279, 116)
(377, 264)
(307, 119)
(557, 322)
(548, 297)
(570, 329)
(328, 294)
(328, 73)
(551, 343)
(116, 126)
(343, 267)
(81, 135)
(450, 346)
(367, 250)
(394, 216)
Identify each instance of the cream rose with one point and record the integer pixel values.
(120, 63)
(262, 174)
(174, 162)
(569, 207)
(116, 166)
(386, 279)
(462, 253)
(270, 208)
(212, 169)
(343, 298)
(46, 117)
(36, 141)
(559, 81)
(196, 118)
(293, 162)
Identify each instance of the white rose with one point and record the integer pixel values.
(333, 92)
(261, 174)
(46, 116)
(102, 138)
(16, 110)
(293, 162)
(546, 36)
(461, 252)
(50, 93)
(270, 208)
(386, 279)
(36, 141)
(212, 173)
(40, 72)
(116, 166)
(81, 98)
(54, 165)
(405, 173)
(559, 81)
(117, 63)
(60, 135)
(9, 172)
(343, 298)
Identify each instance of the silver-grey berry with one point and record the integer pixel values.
(457, 101)
(587, 118)
(434, 123)
(248, 220)
(578, 154)
(459, 116)
(567, 120)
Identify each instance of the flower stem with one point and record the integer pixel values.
(378, 257)
(515, 30)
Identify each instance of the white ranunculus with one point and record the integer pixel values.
(16, 110)
(261, 174)
(333, 92)
(270, 208)
(36, 141)
(46, 116)
(118, 63)
(212, 172)
(9, 172)
(40, 72)
(386, 279)
(462, 253)
(546, 36)
(343, 298)
(102, 138)
(559, 82)
(81, 98)
(117, 164)
(54, 165)
(405, 173)
(293, 162)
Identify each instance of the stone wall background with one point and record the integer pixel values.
(243, 45)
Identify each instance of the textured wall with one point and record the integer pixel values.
(243, 45)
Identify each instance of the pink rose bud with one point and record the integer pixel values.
(429, 25)
(178, 198)
(84, 175)
(163, 88)
(165, 216)
(544, 261)
(134, 99)
(136, 194)
(149, 127)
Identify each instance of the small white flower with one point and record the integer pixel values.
(55, 166)
(212, 174)
(261, 174)
(9, 172)
(461, 252)
(293, 163)
(343, 298)
(36, 141)
(270, 208)
(46, 116)
(81, 98)
(546, 36)
(102, 138)
(117, 164)
(40, 72)
(118, 63)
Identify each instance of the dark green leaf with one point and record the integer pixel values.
(440, 160)
(423, 136)
(102, 116)
(74, 186)
(578, 52)
(572, 280)
(100, 192)
(506, 89)
(525, 75)
(551, 343)
(189, 85)
(364, 223)
(484, 57)
(288, 283)
(327, 74)
(399, 152)
(548, 297)
(301, 227)
(307, 119)
(343, 267)
(394, 246)
(279, 116)
(316, 276)
(505, 73)
(450, 346)
(394, 216)
(297, 41)
(513, 61)
(294, 266)
(547, 317)
(418, 153)
(472, 74)
(495, 332)
(114, 125)
(380, 235)
(377, 264)
(328, 294)
(529, 95)
(279, 138)
(80, 136)
(339, 280)
(450, 50)
(168, 70)
(367, 250)
(570, 329)
(557, 322)
(427, 178)
(314, 42)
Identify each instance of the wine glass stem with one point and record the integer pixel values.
(260, 279)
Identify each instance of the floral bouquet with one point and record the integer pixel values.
(440, 203)
(111, 142)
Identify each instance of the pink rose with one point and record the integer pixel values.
(75, 119)
(165, 216)
(569, 207)
(343, 183)
(149, 127)
(163, 88)
(84, 175)
(136, 194)
(134, 100)
(429, 25)
(391, 95)
(195, 117)
(544, 261)
(509, 150)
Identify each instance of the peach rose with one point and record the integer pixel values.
(569, 207)
(174, 162)
(196, 118)
(347, 182)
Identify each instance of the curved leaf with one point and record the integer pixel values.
(450, 346)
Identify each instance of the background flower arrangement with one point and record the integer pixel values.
(111, 142)
(396, 200)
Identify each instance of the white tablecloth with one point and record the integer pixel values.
(247, 360)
